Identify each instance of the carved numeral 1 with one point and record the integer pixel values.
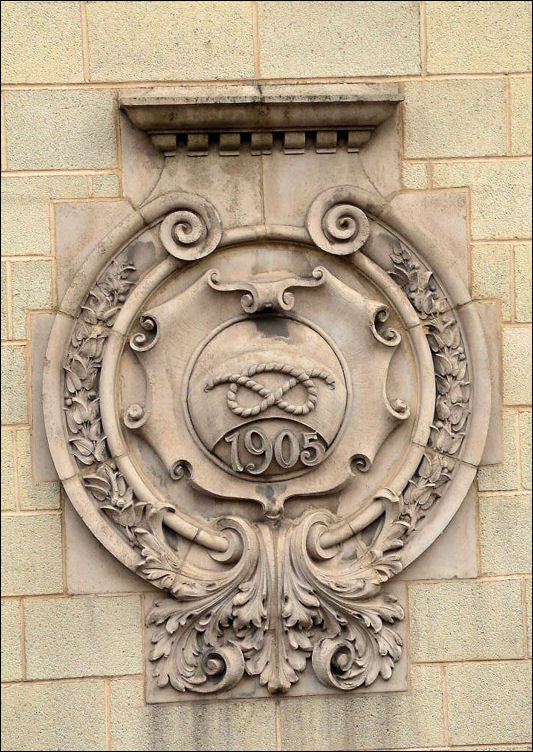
(233, 439)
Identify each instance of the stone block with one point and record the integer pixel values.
(489, 703)
(464, 118)
(90, 567)
(490, 315)
(31, 555)
(521, 115)
(524, 423)
(60, 129)
(309, 39)
(478, 37)
(26, 211)
(11, 641)
(522, 255)
(415, 175)
(233, 185)
(84, 636)
(79, 227)
(517, 365)
(14, 408)
(505, 476)
(489, 615)
(290, 183)
(31, 285)
(505, 533)
(41, 43)
(494, 186)
(454, 553)
(32, 495)
(3, 312)
(61, 715)
(105, 186)
(173, 41)
(528, 614)
(248, 724)
(445, 241)
(8, 472)
(42, 463)
(491, 274)
(367, 721)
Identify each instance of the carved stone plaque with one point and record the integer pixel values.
(267, 422)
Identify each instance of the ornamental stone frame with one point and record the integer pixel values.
(267, 390)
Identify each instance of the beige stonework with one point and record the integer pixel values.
(72, 638)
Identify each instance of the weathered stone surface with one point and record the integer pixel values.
(503, 477)
(480, 687)
(248, 724)
(525, 447)
(62, 715)
(490, 315)
(354, 40)
(522, 255)
(505, 533)
(521, 115)
(85, 636)
(42, 464)
(67, 129)
(367, 722)
(478, 37)
(415, 175)
(517, 365)
(172, 42)
(8, 472)
(488, 614)
(11, 641)
(14, 408)
(454, 553)
(494, 185)
(463, 118)
(105, 186)
(3, 312)
(528, 614)
(79, 227)
(90, 567)
(31, 291)
(32, 495)
(491, 274)
(26, 210)
(41, 42)
(31, 555)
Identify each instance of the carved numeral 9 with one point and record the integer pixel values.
(285, 448)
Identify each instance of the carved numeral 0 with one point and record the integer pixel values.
(285, 448)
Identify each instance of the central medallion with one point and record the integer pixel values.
(267, 396)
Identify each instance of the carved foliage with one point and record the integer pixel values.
(337, 616)
(445, 340)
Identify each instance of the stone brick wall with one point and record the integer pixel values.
(71, 641)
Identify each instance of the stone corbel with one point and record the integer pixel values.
(329, 116)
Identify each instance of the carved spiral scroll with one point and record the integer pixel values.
(336, 224)
(193, 230)
(145, 340)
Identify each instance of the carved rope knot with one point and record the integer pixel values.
(272, 397)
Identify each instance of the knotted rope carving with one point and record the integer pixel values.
(272, 397)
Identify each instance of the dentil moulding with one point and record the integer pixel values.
(267, 389)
